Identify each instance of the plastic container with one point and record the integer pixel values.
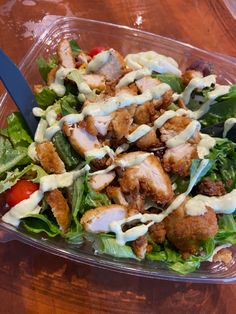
(91, 33)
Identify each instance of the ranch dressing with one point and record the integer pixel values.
(133, 76)
(98, 61)
(58, 85)
(40, 131)
(206, 143)
(229, 123)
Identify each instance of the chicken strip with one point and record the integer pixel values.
(178, 159)
(99, 181)
(60, 208)
(146, 82)
(120, 124)
(157, 232)
(139, 246)
(98, 220)
(65, 54)
(49, 158)
(148, 177)
(116, 195)
(148, 141)
(187, 232)
(211, 188)
(144, 114)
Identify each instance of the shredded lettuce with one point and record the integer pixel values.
(45, 67)
(166, 253)
(174, 81)
(46, 97)
(107, 244)
(227, 229)
(74, 47)
(17, 130)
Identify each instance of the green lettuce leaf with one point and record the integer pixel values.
(10, 157)
(227, 229)
(74, 47)
(45, 67)
(195, 167)
(38, 223)
(68, 104)
(17, 130)
(174, 81)
(107, 244)
(45, 98)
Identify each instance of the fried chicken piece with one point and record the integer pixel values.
(139, 246)
(224, 255)
(90, 125)
(148, 177)
(65, 54)
(95, 81)
(99, 181)
(157, 232)
(146, 82)
(120, 124)
(99, 164)
(144, 113)
(60, 208)
(98, 220)
(211, 188)
(115, 194)
(178, 159)
(188, 75)
(187, 232)
(176, 125)
(49, 158)
(51, 75)
(80, 139)
(81, 59)
(164, 101)
(135, 202)
(148, 141)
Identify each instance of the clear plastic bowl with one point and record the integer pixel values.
(91, 33)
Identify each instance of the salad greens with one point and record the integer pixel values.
(46, 97)
(45, 67)
(174, 81)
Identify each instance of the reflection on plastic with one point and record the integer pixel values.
(6, 236)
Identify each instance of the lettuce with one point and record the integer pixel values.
(45, 67)
(227, 229)
(107, 244)
(74, 47)
(17, 130)
(68, 104)
(174, 81)
(45, 98)
(166, 253)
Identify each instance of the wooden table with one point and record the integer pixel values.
(32, 281)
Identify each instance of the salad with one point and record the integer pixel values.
(119, 159)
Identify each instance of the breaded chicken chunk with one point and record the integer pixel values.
(139, 246)
(157, 232)
(178, 159)
(120, 123)
(144, 114)
(149, 178)
(49, 158)
(211, 188)
(60, 208)
(116, 195)
(65, 54)
(148, 141)
(187, 232)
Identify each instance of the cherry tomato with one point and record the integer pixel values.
(93, 52)
(20, 191)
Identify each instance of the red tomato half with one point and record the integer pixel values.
(20, 191)
(93, 52)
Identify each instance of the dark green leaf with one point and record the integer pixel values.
(174, 81)
(45, 67)
(40, 223)
(74, 47)
(18, 131)
(45, 98)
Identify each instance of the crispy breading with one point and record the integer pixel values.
(188, 75)
(176, 125)
(120, 123)
(116, 195)
(49, 158)
(65, 54)
(98, 220)
(149, 178)
(211, 188)
(187, 232)
(60, 208)
(157, 232)
(224, 255)
(148, 141)
(178, 159)
(139, 246)
(144, 113)
(51, 75)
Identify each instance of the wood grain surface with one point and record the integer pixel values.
(32, 281)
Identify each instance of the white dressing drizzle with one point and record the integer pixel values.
(58, 85)
(225, 204)
(98, 61)
(40, 131)
(206, 143)
(217, 249)
(32, 151)
(152, 61)
(51, 117)
(100, 152)
(229, 123)
(38, 112)
(133, 76)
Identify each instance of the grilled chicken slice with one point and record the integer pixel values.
(60, 208)
(49, 158)
(116, 195)
(95, 81)
(148, 177)
(114, 68)
(187, 232)
(80, 139)
(100, 181)
(98, 219)
(139, 246)
(178, 159)
(176, 125)
(146, 82)
(65, 54)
